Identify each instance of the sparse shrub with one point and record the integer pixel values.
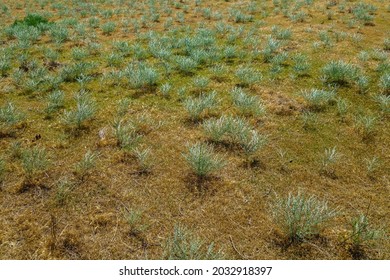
(248, 76)
(196, 106)
(183, 246)
(85, 110)
(301, 217)
(202, 160)
(248, 105)
(362, 236)
(84, 167)
(339, 72)
(318, 98)
(34, 162)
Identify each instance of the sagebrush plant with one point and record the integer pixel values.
(126, 134)
(248, 76)
(248, 105)
(362, 236)
(202, 159)
(10, 116)
(34, 162)
(182, 245)
(330, 157)
(84, 167)
(339, 72)
(55, 101)
(318, 98)
(145, 159)
(85, 110)
(197, 106)
(301, 217)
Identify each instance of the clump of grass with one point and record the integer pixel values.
(186, 65)
(339, 72)
(64, 187)
(134, 219)
(301, 217)
(145, 160)
(165, 89)
(248, 105)
(329, 159)
(182, 245)
(9, 117)
(342, 108)
(250, 143)
(202, 160)
(197, 106)
(5, 65)
(317, 99)
(248, 76)
(84, 167)
(85, 110)
(34, 163)
(141, 76)
(362, 236)
(383, 102)
(2, 169)
(55, 101)
(372, 165)
(216, 129)
(309, 120)
(108, 27)
(301, 64)
(384, 83)
(126, 135)
(366, 125)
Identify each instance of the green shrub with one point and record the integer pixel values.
(34, 20)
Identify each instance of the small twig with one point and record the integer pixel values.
(235, 249)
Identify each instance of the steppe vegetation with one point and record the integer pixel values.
(178, 129)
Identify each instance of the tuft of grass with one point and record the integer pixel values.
(55, 101)
(362, 236)
(318, 98)
(34, 162)
(248, 105)
(84, 167)
(9, 117)
(329, 159)
(145, 159)
(126, 135)
(202, 160)
(301, 217)
(366, 125)
(339, 72)
(384, 83)
(182, 245)
(248, 76)
(85, 110)
(197, 106)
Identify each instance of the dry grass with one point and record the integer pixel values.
(62, 217)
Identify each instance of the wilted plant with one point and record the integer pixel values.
(34, 162)
(84, 167)
(301, 217)
(203, 160)
(248, 105)
(362, 235)
(182, 245)
(84, 111)
(196, 106)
